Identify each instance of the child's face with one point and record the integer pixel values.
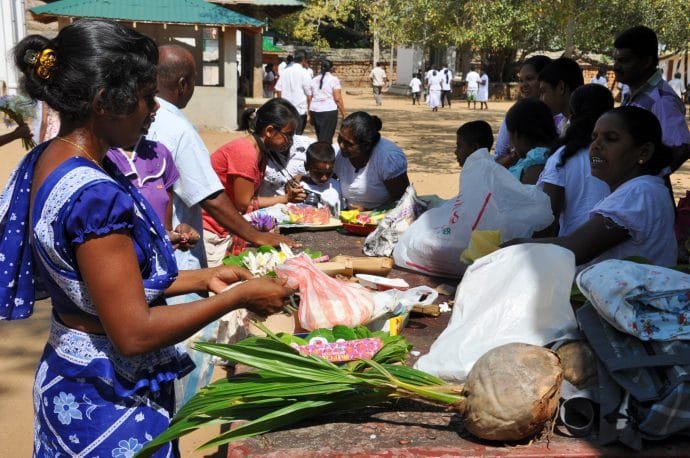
(463, 150)
(320, 171)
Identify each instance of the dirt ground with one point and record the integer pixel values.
(427, 138)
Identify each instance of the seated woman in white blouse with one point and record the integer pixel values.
(637, 218)
(372, 170)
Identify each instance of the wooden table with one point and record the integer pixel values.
(412, 429)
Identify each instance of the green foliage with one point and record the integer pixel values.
(492, 26)
(288, 387)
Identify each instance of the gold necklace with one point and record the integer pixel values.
(83, 150)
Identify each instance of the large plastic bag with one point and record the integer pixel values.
(325, 301)
(398, 220)
(490, 199)
(516, 294)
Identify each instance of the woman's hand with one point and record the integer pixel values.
(294, 191)
(223, 276)
(266, 296)
(183, 237)
(509, 159)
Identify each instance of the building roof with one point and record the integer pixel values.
(156, 11)
(299, 3)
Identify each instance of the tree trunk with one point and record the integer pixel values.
(569, 41)
(377, 51)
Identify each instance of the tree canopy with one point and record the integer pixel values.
(506, 28)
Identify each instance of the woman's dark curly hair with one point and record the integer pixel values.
(365, 130)
(91, 56)
(587, 103)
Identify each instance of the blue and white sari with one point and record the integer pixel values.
(89, 400)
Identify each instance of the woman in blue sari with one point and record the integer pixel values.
(104, 385)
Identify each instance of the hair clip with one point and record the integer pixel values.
(43, 62)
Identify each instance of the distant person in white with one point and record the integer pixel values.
(600, 78)
(483, 91)
(415, 88)
(472, 79)
(435, 89)
(294, 85)
(446, 86)
(378, 81)
(677, 85)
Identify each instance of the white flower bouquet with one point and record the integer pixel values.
(17, 109)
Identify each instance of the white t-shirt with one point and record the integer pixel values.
(366, 186)
(677, 86)
(643, 206)
(415, 84)
(277, 175)
(197, 179)
(446, 79)
(294, 85)
(472, 79)
(281, 66)
(435, 81)
(378, 76)
(582, 191)
(330, 192)
(322, 98)
(483, 92)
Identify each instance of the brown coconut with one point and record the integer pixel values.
(512, 392)
(579, 363)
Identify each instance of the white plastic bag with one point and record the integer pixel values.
(516, 294)
(490, 199)
(398, 220)
(395, 302)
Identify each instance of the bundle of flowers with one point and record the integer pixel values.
(17, 109)
(263, 260)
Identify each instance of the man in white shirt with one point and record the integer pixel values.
(294, 85)
(198, 187)
(472, 80)
(677, 85)
(284, 64)
(378, 81)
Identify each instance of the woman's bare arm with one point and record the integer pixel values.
(136, 328)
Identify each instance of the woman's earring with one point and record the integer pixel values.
(640, 162)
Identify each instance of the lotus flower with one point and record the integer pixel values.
(261, 263)
(263, 222)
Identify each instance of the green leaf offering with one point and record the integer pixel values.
(286, 387)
